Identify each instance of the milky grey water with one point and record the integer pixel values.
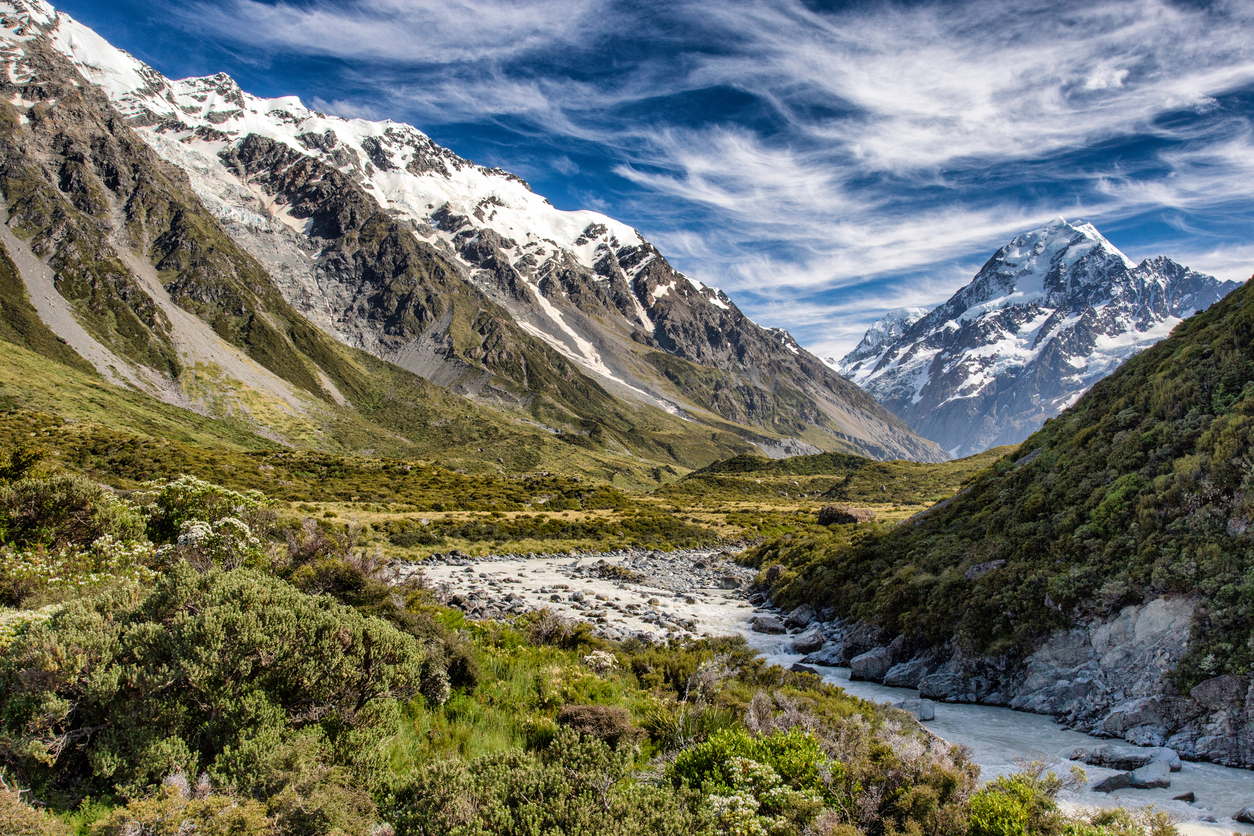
(999, 738)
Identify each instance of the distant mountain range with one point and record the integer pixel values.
(1050, 314)
(255, 216)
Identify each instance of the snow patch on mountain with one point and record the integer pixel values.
(1050, 314)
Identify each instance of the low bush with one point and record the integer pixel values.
(575, 785)
(207, 672)
(609, 724)
(64, 511)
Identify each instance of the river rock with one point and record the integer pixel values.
(766, 624)
(871, 665)
(907, 674)
(797, 667)
(1152, 777)
(809, 641)
(1125, 757)
(946, 687)
(1114, 782)
(1188, 797)
(829, 656)
(1245, 815)
(863, 637)
(927, 710)
(800, 617)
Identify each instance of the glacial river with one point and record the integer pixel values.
(999, 737)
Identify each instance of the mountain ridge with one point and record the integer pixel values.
(1052, 312)
(589, 287)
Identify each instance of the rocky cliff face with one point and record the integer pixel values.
(1107, 677)
(1050, 314)
(298, 190)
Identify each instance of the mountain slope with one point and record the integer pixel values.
(463, 267)
(1051, 313)
(1140, 492)
(121, 265)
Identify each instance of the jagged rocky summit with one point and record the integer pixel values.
(457, 272)
(1050, 314)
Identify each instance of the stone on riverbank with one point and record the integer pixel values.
(907, 674)
(809, 641)
(871, 665)
(1245, 815)
(800, 617)
(766, 624)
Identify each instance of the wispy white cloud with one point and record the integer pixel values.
(898, 140)
(403, 31)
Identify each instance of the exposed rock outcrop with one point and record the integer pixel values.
(844, 515)
(1109, 677)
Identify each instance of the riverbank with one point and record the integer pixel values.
(660, 596)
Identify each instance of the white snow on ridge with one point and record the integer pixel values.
(220, 109)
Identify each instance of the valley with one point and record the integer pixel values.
(351, 488)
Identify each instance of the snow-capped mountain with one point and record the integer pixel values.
(1050, 314)
(458, 272)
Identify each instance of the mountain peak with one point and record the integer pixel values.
(1053, 311)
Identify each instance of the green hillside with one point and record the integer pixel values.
(1142, 488)
(828, 477)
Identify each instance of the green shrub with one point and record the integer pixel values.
(63, 510)
(1000, 811)
(17, 818)
(205, 672)
(611, 724)
(575, 785)
(171, 507)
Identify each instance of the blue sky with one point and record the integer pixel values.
(821, 162)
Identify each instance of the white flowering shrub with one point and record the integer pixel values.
(601, 661)
(34, 573)
(171, 506)
(228, 543)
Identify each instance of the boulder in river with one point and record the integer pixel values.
(809, 641)
(829, 656)
(1245, 815)
(766, 624)
(800, 617)
(1114, 782)
(1125, 757)
(871, 665)
(1154, 776)
(1185, 796)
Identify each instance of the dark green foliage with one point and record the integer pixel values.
(1143, 488)
(64, 510)
(205, 672)
(22, 459)
(575, 785)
